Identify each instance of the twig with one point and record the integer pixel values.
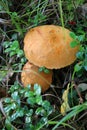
(79, 94)
(1, 107)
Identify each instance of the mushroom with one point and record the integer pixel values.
(31, 75)
(49, 46)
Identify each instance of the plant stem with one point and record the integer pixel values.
(61, 13)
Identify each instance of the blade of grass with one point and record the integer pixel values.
(74, 111)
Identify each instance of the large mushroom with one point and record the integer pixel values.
(49, 46)
(31, 75)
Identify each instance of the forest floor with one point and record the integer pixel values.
(21, 108)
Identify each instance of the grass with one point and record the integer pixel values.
(43, 111)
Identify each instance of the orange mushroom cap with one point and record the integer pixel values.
(31, 75)
(49, 46)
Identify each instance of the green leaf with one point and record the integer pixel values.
(14, 14)
(85, 64)
(44, 120)
(82, 87)
(37, 89)
(46, 105)
(14, 87)
(40, 111)
(12, 53)
(15, 44)
(8, 125)
(14, 116)
(7, 100)
(41, 69)
(47, 71)
(39, 99)
(16, 97)
(29, 94)
(22, 91)
(79, 55)
(81, 38)
(29, 126)
(2, 74)
(27, 119)
(19, 53)
(77, 67)
(72, 35)
(23, 60)
(8, 50)
(19, 113)
(74, 43)
(6, 44)
(82, 49)
(14, 36)
(31, 100)
(29, 113)
(28, 87)
(12, 106)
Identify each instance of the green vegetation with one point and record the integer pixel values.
(26, 107)
(21, 108)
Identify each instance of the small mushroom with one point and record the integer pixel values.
(31, 75)
(49, 46)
